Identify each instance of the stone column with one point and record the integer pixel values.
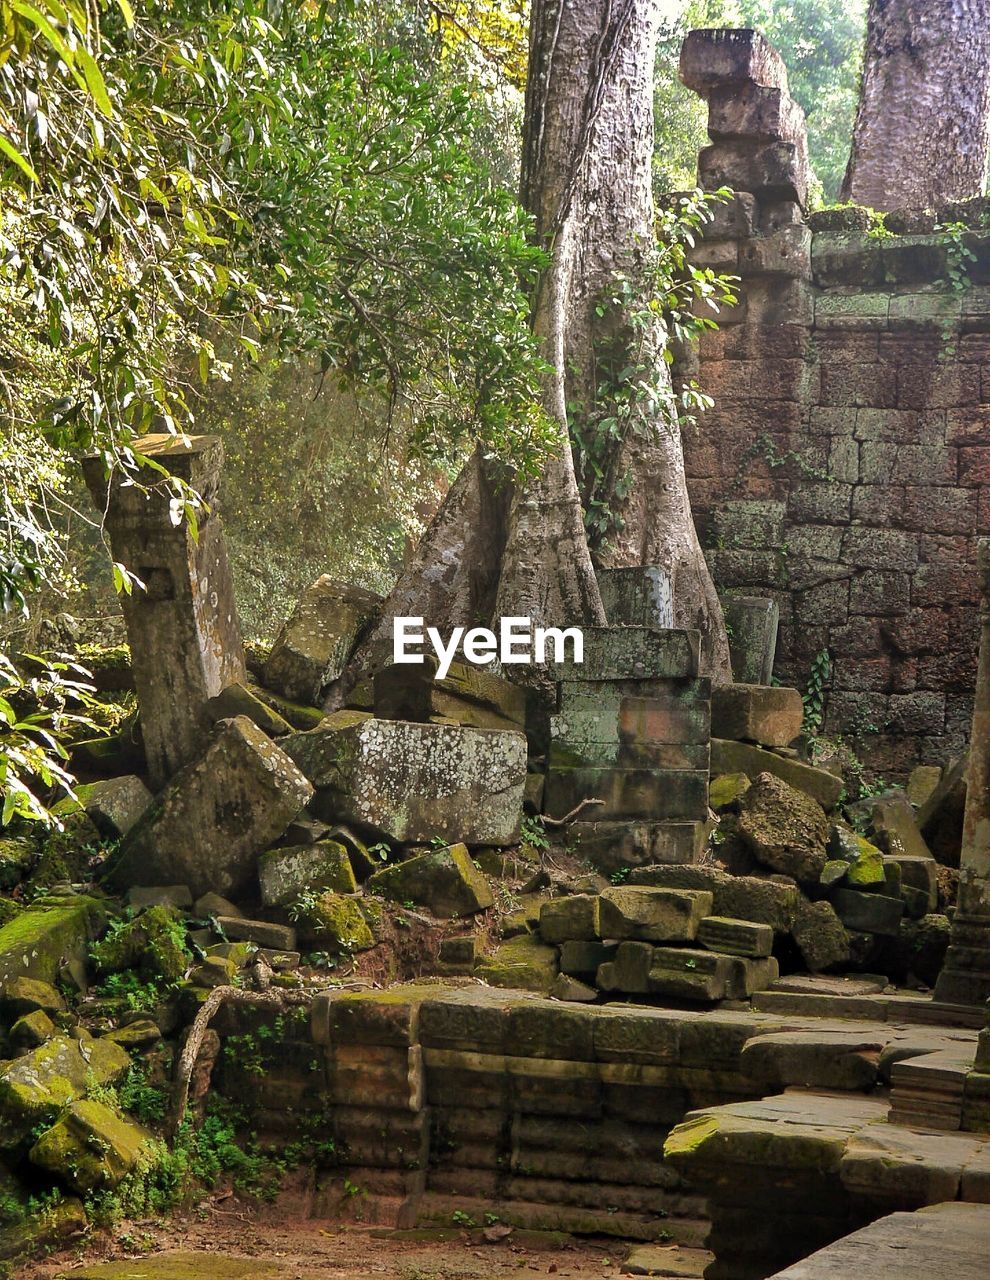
(965, 979)
(183, 629)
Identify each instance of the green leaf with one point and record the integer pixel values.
(94, 81)
(9, 150)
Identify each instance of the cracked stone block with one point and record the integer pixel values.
(571, 919)
(767, 714)
(652, 915)
(415, 782)
(313, 646)
(735, 937)
(217, 814)
(715, 58)
(285, 873)
(115, 805)
(868, 912)
(445, 881)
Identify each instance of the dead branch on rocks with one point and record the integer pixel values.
(570, 815)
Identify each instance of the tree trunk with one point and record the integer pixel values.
(586, 178)
(921, 130)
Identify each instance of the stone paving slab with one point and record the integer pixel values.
(942, 1240)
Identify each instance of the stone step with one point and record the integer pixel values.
(735, 937)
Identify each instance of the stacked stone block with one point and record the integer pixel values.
(843, 469)
(631, 729)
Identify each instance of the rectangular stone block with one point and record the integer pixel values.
(611, 846)
(776, 170)
(735, 937)
(868, 912)
(582, 959)
(753, 111)
(468, 694)
(766, 714)
(713, 58)
(217, 814)
(313, 646)
(629, 793)
(742, 757)
(752, 622)
(633, 653)
(415, 782)
(570, 919)
(638, 596)
(652, 915)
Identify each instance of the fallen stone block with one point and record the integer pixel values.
(753, 622)
(629, 970)
(571, 919)
(612, 846)
(36, 943)
(766, 714)
(735, 937)
(743, 757)
(277, 936)
(940, 818)
(52, 1228)
(445, 881)
(570, 989)
(892, 824)
(750, 974)
(785, 829)
(216, 815)
(921, 784)
(238, 700)
(161, 895)
(31, 1030)
(523, 963)
(819, 935)
(468, 694)
(212, 904)
(652, 915)
(685, 974)
(864, 861)
(415, 782)
(813, 1060)
(24, 995)
(91, 1147)
(764, 901)
(115, 805)
(287, 872)
(583, 959)
(726, 791)
(314, 645)
(39, 1084)
(650, 794)
(918, 878)
(868, 912)
(340, 922)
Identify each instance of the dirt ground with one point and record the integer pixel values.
(278, 1247)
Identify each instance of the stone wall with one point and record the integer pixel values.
(844, 469)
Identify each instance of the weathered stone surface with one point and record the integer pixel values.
(572, 919)
(523, 962)
(51, 1228)
(239, 700)
(892, 824)
(785, 829)
(114, 806)
(214, 971)
(722, 57)
(764, 901)
(36, 1086)
(941, 816)
(868, 912)
(864, 861)
(633, 653)
(445, 880)
(208, 826)
(582, 959)
(568, 988)
(263, 932)
(743, 757)
(752, 111)
(819, 935)
(212, 904)
(31, 1030)
(779, 169)
(753, 640)
(285, 873)
(341, 922)
(161, 895)
(725, 791)
(735, 937)
(922, 783)
(24, 995)
(182, 628)
(918, 883)
(468, 694)
(818, 1059)
(766, 714)
(36, 943)
(313, 646)
(652, 915)
(612, 846)
(91, 1147)
(637, 596)
(415, 782)
(648, 794)
(681, 973)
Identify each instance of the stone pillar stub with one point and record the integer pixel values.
(965, 979)
(182, 628)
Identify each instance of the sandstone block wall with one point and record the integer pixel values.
(845, 467)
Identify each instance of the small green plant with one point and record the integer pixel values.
(382, 851)
(534, 833)
(462, 1219)
(814, 696)
(621, 875)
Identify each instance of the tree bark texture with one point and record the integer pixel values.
(921, 131)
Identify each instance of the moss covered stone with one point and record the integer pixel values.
(727, 790)
(36, 1086)
(154, 944)
(445, 881)
(339, 920)
(91, 1147)
(54, 1226)
(865, 860)
(32, 1030)
(16, 856)
(65, 855)
(24, 995)
(284, 874)
(37, 942)
(185, 1266)
(523, 963)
